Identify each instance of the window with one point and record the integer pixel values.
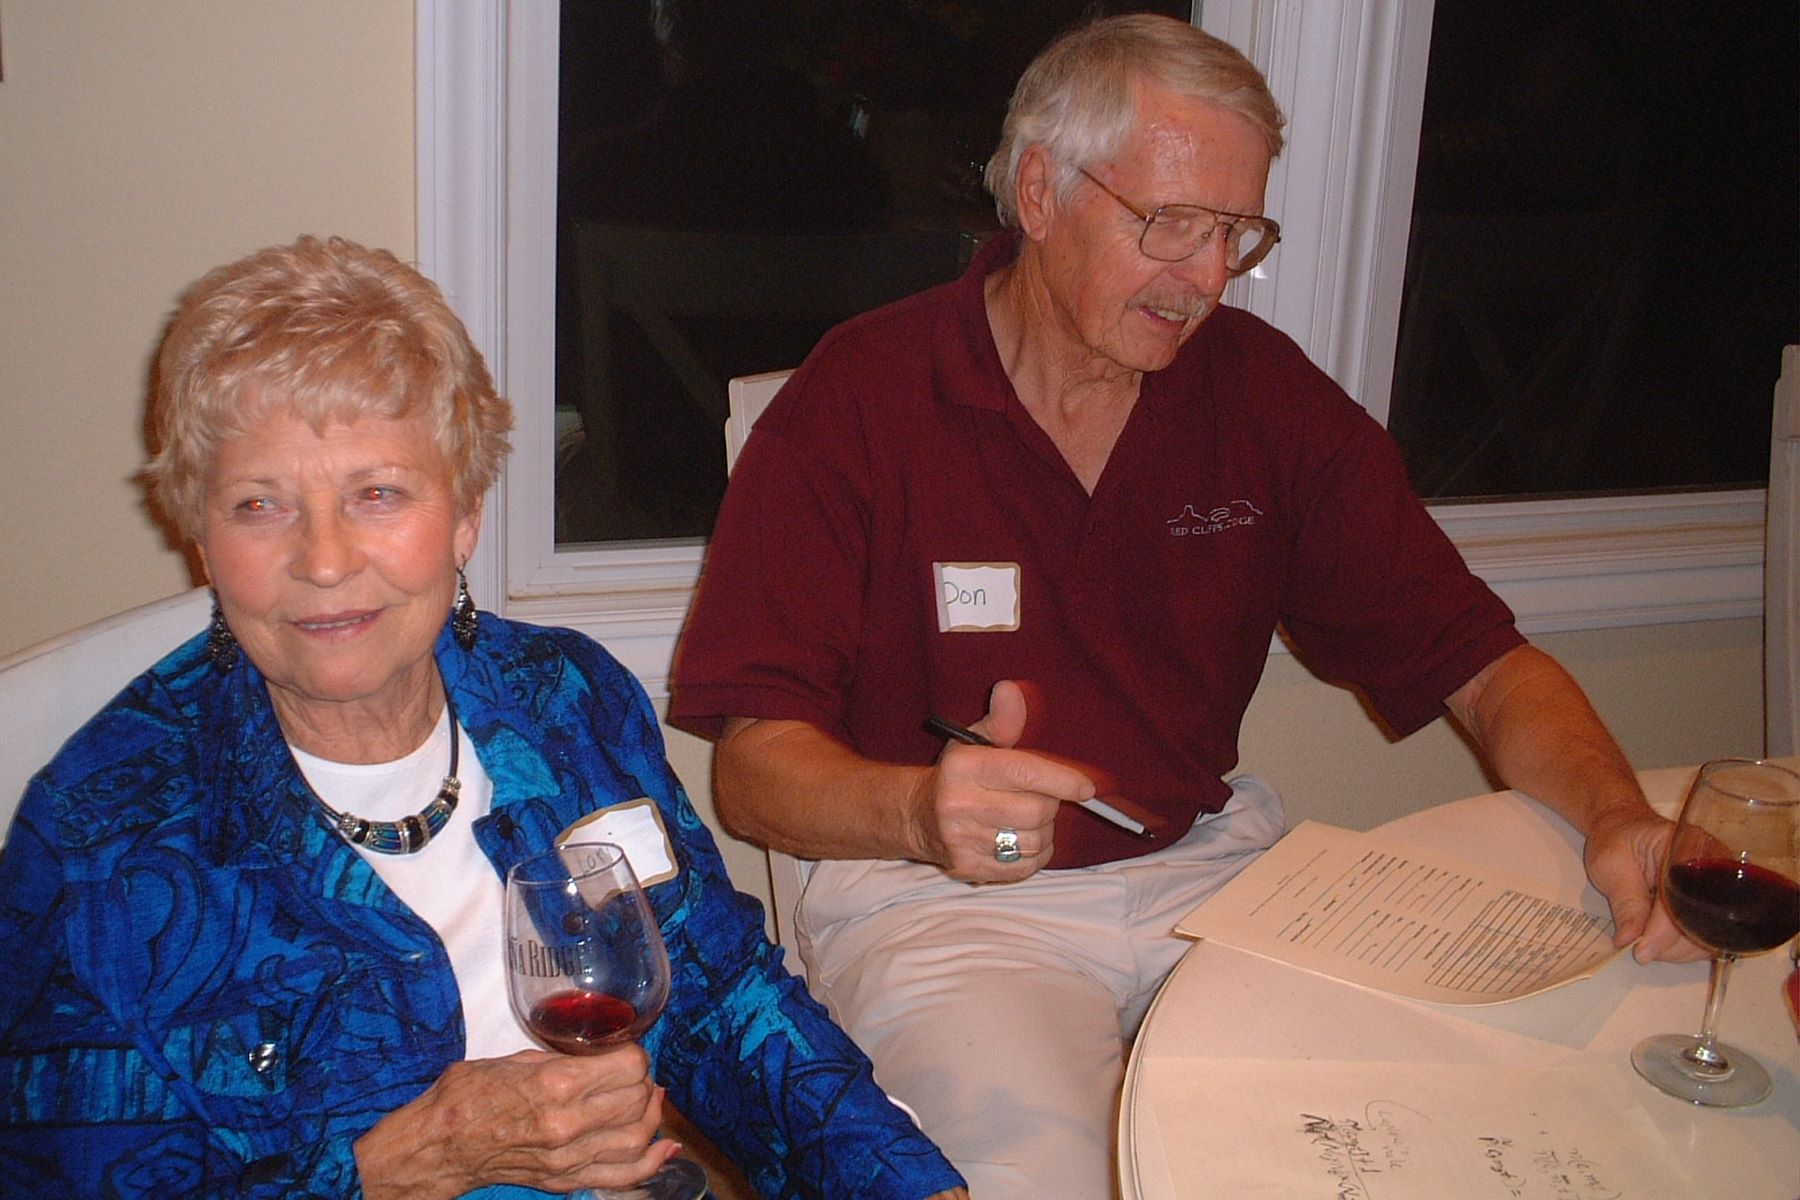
(1351, 76)
(734, 179)
(1605, 255)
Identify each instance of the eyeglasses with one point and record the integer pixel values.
(1173, 232)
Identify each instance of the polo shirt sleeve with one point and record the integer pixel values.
(776, 622)
(1376, 595)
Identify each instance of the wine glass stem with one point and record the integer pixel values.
(1705, 1055)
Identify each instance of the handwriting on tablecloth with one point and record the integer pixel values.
(1378, 914)
(1359, 1154)
(1390, 1131)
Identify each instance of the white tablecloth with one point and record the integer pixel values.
(1231, 1004)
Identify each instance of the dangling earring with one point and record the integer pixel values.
(462, 613)
(221, 643)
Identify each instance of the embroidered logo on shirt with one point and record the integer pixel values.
(1227, 516)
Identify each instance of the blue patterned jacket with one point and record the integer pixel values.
(171, 899)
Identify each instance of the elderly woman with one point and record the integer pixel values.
(250, 914)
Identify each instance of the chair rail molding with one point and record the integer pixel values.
(1350, 75)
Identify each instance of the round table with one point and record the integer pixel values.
(1228, 1003)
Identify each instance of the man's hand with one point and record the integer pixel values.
(790, 786)
(976, 791)
(1544, 738)
(1624, 857)
(1790, 987)
(555, 1122)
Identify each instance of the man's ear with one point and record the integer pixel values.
(1035, 198)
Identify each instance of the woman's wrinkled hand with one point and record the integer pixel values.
(554, 1122)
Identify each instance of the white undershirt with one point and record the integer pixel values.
(450, 884)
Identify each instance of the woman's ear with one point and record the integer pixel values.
(468, 532)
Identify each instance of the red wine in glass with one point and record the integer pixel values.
(1731, 881)
(1737, 908)
(586, 969)
(576, 1021)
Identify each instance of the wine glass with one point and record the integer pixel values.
(1731, 880)
(586, 969)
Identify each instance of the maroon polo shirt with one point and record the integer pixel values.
(1246, 490)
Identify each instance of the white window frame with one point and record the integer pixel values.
(1351, 77)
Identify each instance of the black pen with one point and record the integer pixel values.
(951, 731)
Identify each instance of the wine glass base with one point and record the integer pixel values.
(1665, 1062)
(679, 1179)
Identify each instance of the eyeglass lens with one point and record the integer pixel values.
(1177, 231)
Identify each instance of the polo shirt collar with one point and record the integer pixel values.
(964, 346)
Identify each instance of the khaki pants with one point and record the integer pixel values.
(1001, 1014)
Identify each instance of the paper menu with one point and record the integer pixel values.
(1401, 1131)
(1387, 916)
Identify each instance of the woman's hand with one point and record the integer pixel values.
(551, 1121)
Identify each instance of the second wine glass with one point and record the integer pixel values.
(1731, 880)
(586, 969)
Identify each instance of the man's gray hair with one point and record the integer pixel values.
(1077, 99)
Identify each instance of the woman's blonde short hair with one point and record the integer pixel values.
(1077, 99)
(323, 329)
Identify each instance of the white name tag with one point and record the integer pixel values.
(636, 827)
(976, 597)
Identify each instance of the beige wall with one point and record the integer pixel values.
(140, 145)
(1670, 693)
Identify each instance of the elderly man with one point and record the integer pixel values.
(1068, 499)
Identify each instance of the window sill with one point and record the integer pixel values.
(637, 625)
(1614, 561)
(1561, 565)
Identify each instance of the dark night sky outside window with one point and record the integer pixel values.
(1605, 253)
(734, 179)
